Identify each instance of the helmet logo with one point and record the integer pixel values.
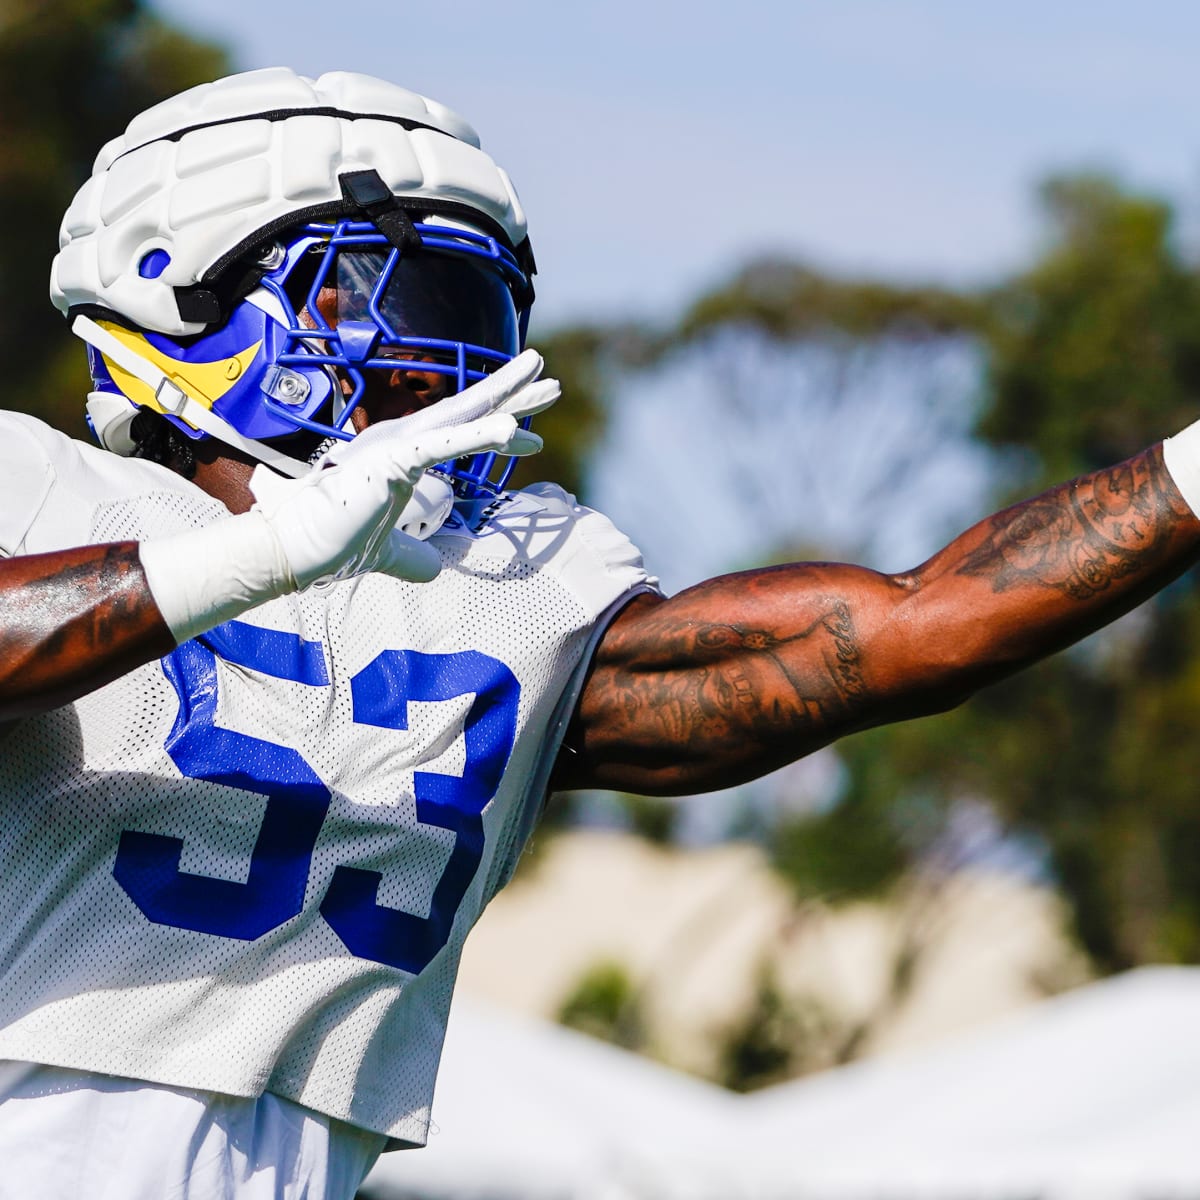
(205, 382)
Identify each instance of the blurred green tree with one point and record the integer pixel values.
(1095, 351)
(605, 1002)
(776, 1038)
(1092, 354)
(72, 74)
(1088, 356)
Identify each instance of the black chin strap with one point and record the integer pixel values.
(368, 193)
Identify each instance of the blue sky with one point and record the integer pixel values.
(657, 145)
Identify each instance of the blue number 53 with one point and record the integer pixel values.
(147, 865)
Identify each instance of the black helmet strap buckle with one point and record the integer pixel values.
(366, 192)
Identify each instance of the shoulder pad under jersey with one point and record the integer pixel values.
(27, 451)
(547, 527)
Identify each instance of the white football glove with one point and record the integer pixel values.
(514, 389)
(350, 527)
(340, 520)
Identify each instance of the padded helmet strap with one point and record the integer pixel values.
(366, 192)
(172, 399)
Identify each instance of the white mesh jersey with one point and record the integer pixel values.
(251, 866)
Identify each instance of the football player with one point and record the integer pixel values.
(289, 672)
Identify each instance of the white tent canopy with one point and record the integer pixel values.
(1094, 1095)
(529, 1110)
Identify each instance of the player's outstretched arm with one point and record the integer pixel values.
(743, 673)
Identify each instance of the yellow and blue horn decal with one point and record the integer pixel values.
(227, 371)
(205, 381)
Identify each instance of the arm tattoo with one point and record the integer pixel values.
(108, 597)
(848, 673)
(745, 681)
(74, 620)
(742, 674)
(1080, 538)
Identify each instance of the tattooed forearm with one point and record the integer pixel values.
(87, 603)
(1082, 537)
(73, 621)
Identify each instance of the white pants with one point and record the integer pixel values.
(71, 1134)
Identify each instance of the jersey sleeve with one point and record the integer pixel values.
(586, 550)
(28, 474)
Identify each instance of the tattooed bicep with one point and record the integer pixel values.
(676, 694)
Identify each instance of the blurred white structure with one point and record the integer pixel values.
(526, 1110)
(1094, 1095)
(694, 930)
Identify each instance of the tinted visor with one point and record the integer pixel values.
(443, 297)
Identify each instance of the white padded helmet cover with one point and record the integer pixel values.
(205, 170)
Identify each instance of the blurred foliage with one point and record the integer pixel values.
(773, 1039)
(652, 818)
(1088, 355)
(789, 301)
(1094, 755)
(72, 74)
(605, 1004)
(1095, 351)
(854, 851)
(1092, 354)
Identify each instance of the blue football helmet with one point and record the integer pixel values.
(235, 265)
(336, 313)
